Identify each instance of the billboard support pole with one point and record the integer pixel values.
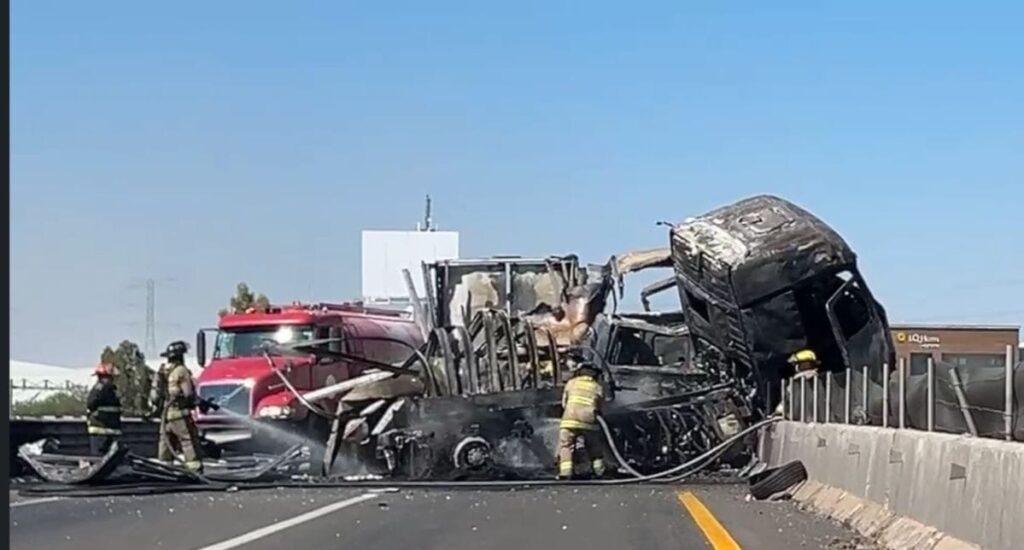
(1008, 386)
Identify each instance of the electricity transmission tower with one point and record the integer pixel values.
(149, 346)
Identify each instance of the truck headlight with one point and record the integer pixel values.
(275, 411)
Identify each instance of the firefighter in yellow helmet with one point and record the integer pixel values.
(805, 363)
(103, 411)
(581, 403)
(178, 431)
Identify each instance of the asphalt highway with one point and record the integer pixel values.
(562, 518)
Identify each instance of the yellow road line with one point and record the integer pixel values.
(719, 538)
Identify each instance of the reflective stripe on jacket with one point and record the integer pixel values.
(103, 408)
(180, 390)
(176, 413)
(181, 398)
(581, 400)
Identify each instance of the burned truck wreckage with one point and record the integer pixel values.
(502, 337)
(757, 280)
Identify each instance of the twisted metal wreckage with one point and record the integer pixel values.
(688, 389)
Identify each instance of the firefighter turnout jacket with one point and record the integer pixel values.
(103, 408)
(181, 395)
(581, 401)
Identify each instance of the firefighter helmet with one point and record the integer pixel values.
(103, 369)
(804, 356)
(175, 349)
(585, 367)
(582, 361)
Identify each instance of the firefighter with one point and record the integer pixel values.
(103, 411)
(805, 363)
(581, 403)
(175, 393)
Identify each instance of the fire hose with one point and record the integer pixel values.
(416, 355)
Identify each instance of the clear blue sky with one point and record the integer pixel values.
(212, 142)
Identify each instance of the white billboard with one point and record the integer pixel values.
(386, 253)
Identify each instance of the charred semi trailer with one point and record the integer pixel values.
(761, 279)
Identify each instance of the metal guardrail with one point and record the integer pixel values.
(26, 384)
(977, 419)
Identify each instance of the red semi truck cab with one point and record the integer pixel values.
(252, 396)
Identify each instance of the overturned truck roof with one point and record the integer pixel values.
(765, 243)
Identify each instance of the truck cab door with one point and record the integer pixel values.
(353, 345)
(325, 366)
(859, 328)
(339, 368)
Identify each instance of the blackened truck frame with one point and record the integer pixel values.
(485, 313)
(762, 278)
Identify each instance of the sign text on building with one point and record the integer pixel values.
(923, 340)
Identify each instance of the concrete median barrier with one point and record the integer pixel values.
(908, 488)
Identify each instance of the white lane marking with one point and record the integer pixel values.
(33, 501)
(285, 524)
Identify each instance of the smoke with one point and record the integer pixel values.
(515, 453)
(536, 452)
(347, 464)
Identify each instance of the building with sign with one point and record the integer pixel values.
(962, 345)
(385, 254)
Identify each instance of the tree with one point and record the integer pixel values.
(133, 377)
(65, 403)
(245, 299)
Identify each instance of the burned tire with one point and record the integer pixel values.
(777, 480)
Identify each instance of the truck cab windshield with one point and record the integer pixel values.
(247, 342)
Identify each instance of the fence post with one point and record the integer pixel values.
(815, 393)
(782, 397)
(885, 395)
(902, 371)
(864, 398)
(792, 410)
(803, 399)
(1008, 409)
(828, 396)
(931, 394)
(849, 380)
